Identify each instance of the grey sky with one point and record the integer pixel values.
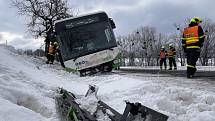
(127, 14)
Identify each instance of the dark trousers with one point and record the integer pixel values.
(163, 61)
(50, 58)
(172, 62)
(192, 58)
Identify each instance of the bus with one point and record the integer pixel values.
(87, 43)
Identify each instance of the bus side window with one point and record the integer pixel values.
(113, 26)
(108, 34)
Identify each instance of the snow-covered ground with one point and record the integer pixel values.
(27, 91)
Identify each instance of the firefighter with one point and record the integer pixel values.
(162, 55)
(171, 56)
(53, 49)
(192, 41)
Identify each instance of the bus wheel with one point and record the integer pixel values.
(107, 68)
(92, 71)
(82, 73)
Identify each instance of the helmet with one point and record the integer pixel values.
(195, 20)
(170, 45)
(55, 43)
(162, 47)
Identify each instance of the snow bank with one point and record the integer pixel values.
(21, 96)
(12, 112)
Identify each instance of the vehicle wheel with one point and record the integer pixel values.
(82, 73)
(92, 71)
(107, 68)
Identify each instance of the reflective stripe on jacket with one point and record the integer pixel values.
(171, 52)
(191, 37)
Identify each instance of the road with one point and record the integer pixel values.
(200, 74)
(203, 80)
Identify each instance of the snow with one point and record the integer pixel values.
(28, 88)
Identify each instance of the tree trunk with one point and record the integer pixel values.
(47, 43)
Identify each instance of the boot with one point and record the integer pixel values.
(189, 76)
(195, 71)
(189, 73)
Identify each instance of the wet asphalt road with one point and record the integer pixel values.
(200, 74)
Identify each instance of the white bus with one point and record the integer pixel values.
(87, 43)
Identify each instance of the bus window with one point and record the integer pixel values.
(108, 34)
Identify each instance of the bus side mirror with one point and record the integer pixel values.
(113, 26)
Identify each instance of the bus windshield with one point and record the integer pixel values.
(86, 39)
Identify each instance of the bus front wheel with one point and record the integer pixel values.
(82, 73)
(107, 68)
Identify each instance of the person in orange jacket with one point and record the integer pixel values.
(53, 49)
(162, 55)
(192, 41)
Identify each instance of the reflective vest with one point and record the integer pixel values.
(162, 54)
(191, 37)
(171, 52)
(52, 49)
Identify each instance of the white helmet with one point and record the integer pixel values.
(170, 45)
(55, 43)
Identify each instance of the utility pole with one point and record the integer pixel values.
(178, 38)
(6, 43)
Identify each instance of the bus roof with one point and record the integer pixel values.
(57, 21)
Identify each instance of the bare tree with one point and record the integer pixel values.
(131, 49)
(208, 48)
(147, 38)
(122, 43)
(42, 15)
(127, 45)
(142, 46)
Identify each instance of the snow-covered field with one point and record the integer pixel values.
(27, 91)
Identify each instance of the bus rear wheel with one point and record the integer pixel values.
(106, 67)
(83, 73)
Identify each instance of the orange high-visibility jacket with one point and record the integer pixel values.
(163, 54)
(52, 49)
(191, 37)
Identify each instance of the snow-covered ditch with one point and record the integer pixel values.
(27, 91)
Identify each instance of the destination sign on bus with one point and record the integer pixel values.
(81, 22)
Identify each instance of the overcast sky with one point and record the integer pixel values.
(127, 14)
